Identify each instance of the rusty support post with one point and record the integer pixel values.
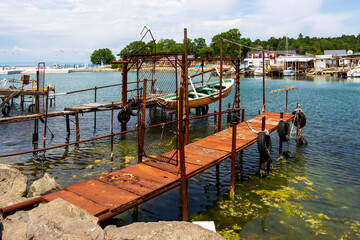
(112, 130)
(220, 90)
(77, 125)
(67, 124)
(287, 101)
(297, 125)
(228, 116)
(263, 121)
(233, 158)
(46, 113)
(263, 63)
(187, 109)
(242, 115)
(142, 124)
(237, 92)
(202, 71)
(22, 102)
(183, 86)
(215, 121)
(124, 88)
(95, 96)
(280, 142)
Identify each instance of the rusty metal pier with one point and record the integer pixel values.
(108, 195)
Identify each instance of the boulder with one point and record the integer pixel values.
(14, 226)
(161, 231)
(57, 219)
(43, 185)
(12, 182)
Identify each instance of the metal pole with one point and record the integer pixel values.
(215, 121)
(263, 63)
(263, 121)
(95, 94)
(242, 115)
(187, 109)
(124, 88)
(280, 142)
(46, 112)
(67, 124)
(77, 125)
(233, 157)
(220, 90)
(237, 93)
(111, 130)
(286, 101)
(182, 140)
(142, 125)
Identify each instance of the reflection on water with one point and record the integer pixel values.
(313, 196)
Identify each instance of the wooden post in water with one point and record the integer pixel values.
(242, 115)
(215, 122)
(124, 88)
(46, 113)
(228, 117)
(186, 90)
(142, 124)
(67, 124)
(77, 125)
(263, 109)
(297, 125)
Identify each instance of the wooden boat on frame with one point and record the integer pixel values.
(200, 96)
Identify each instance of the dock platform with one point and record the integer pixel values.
(108, 195)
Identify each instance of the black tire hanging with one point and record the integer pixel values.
(6, 110)
(204, 109)
(301, 117)
(264, 144)
(130, 107)
(123, 116)
(31, 108)
(284, 131)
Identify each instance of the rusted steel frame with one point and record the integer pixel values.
(237, 89)
(132, 64)
(95, 96)
(7, 91)
(263, 109)
(67, 124)
(46, 112)
(21, 205)
(67, 144)
(142, 124)
(221, 78)
(215, 122)
(297, 125)
(124, 89)
(263, 122)
(177, 107)
(150, 54)
(171, 62)
(202, 70)
(233, 158)
(228, 119)
(182, 141)
(280, 142)
(242, 115)
(202, 73)
(89, 89)
(111, 130)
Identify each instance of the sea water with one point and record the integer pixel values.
(316, 195)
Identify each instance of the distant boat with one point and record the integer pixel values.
(353, 72)
(200, 96)
(258, 72)
(288, 72)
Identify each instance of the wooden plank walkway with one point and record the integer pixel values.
(110, 194)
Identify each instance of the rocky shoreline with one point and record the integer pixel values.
(60, 219)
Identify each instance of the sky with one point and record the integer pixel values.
(70, 30)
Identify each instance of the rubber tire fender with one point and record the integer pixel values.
(123, 116)
(302, 119)
(130, 107)
(284, 131)
(31, 108)
(264, 144)
(204, 109)
(6, 110)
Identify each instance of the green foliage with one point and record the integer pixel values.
(104, 56)
(302, 45)
(138, 47)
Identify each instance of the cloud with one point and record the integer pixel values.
(43, 26)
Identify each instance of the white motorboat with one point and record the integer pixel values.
(354, 72)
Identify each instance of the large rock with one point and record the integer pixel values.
(55, 220)
(161, 231)
(14, 226)
(43, 185)
(12, 182)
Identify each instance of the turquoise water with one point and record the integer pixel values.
(315, 196)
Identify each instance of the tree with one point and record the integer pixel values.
(177, 47)
(164, 45)
(229, 49)
(137, 47)
(102, 56)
